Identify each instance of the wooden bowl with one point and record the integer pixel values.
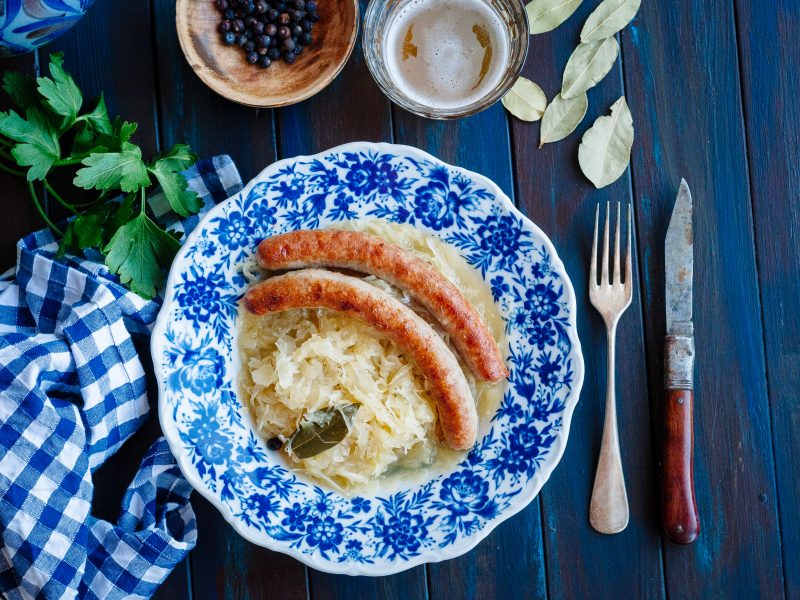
(225, 70)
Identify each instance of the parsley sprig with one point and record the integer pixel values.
(54, 130)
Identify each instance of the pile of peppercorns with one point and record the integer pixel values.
(268, 30)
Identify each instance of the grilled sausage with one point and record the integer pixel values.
(315, 288)
(368, 253)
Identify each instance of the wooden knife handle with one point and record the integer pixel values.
(678, 505)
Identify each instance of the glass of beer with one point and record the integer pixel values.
(445, 59)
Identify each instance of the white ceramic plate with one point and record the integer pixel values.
(211, 432)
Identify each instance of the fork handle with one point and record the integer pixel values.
(678, 504)
(608, 509)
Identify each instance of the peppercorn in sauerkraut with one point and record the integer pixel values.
(299, 362)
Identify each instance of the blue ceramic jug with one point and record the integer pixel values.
(28, 24)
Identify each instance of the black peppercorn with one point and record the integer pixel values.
(268, 30)
(275, 443)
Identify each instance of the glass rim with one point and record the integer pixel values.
(518, 46)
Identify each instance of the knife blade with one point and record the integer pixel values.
(678, 504)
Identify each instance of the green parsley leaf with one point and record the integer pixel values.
(38, 146)
(139, 252)
(84, 231)
(182, 200)
(99, 120)
(179, 158)
(124, 130)
(61, 92)
(86, 140)
(122, 213)
(21, 88)
(108, 170)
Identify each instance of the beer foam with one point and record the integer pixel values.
(446, 54)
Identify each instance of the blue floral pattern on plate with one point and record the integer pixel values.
(211, 433)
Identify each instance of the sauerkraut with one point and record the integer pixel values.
(301, 361)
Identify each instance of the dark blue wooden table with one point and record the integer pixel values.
(712, 85)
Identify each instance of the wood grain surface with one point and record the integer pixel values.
(712, 88)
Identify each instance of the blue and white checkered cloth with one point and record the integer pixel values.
(72, 391)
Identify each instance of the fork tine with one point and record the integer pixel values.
(617, 279)
(593, 265)
(628, 267)
(604, 274)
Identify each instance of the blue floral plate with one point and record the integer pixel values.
(211, 432)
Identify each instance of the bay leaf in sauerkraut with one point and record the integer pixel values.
(305, 360)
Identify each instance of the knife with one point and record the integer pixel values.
(678, 506)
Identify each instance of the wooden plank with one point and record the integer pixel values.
(772, 127)
(21, 216)
(408, 585)
(681, 74)
(352, 108)
(580, 562)
(223, 565)
(509, 563)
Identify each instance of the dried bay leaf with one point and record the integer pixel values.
(605, 149)
(321, 430)
(588, 64)
(525, 100)
(608, 18)
(561, 118)
(546, 15)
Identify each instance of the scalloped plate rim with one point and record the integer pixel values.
(528, 493)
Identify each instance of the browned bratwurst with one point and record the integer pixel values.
(370, 254)
(315, 288)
